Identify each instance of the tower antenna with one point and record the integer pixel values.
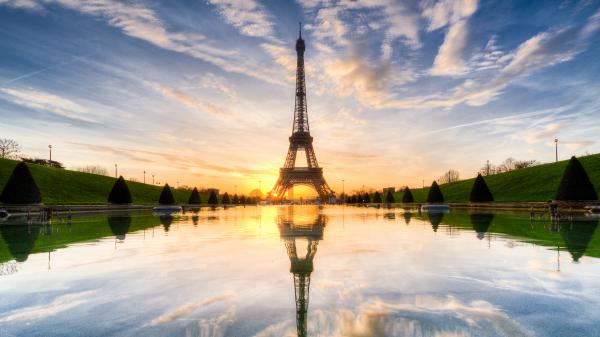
(300, 24)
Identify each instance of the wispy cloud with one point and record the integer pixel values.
(247, 15)
(188, 100)
(44, 101)
(449, 60)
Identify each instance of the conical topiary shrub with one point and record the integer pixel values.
(212, 198)
(480, 191)
(225, 200)
(407, 198)
(366, 199)
(235, 200)
(435, 194)
(575, 183)
(377, 198)
(21, 187)
(166, 196)
(389, 198)
(120, 193)
(195, 197)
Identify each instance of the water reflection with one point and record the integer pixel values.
(298, 224)
(166, 221)
(481, 223)
(119, 225)
(577, 236)
(435, 218)
(20, 240)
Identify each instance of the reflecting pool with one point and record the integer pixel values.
(300, 271)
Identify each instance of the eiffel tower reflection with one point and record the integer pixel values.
(296, 224)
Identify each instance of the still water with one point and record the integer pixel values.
(301, 271)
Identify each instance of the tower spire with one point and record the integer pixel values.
(300, 31)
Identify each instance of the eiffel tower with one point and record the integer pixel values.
(301, 266)
(289, 174)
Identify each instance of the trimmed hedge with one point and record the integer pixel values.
(120, 194)
(166, 196)
(575, 184)
(435, 194)
(480, 191)
(21, 187)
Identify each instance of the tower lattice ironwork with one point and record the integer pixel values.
(301, 266)
(312, 174)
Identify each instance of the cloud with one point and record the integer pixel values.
(138, 21)
(576, 145)
(446, 12)
(449, 59)
(188, 100)
(187, 309)
(40, 100)
(247, 15)
(21, 4)
(60, 304)
(548, 132)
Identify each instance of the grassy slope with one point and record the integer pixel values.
(60, 186)
(537, 183)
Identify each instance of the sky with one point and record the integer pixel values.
(201, 93)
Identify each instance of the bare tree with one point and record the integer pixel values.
(448, 177)
(9, 148)
(93, 169)
(509, 164)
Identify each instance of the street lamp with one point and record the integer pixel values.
(556, 148)
(153, 179)
(50, 149)
(115, 170)
(343, 191)
(144, 176)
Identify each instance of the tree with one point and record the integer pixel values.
(366, 198)
(575, 184)
(195, 197)
(225, 200)
(166, 196)
(449, 177)
(235, 200)
(243, 200)
(212, 198)
(8, 148)
(120, 194)
(377, 198)
(407, 197)
(435, 194)
(21, 187)
(93, 169)
(389, 198)
(480, 191)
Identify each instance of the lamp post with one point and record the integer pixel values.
(556, 148)
(153, 179)
(50, 150)
(260, 189)
(144, 176)
(115, 170)
(344, 191)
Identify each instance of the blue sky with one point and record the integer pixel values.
(201, 92)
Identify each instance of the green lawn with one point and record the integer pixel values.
(538, 183)
(61, 187)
